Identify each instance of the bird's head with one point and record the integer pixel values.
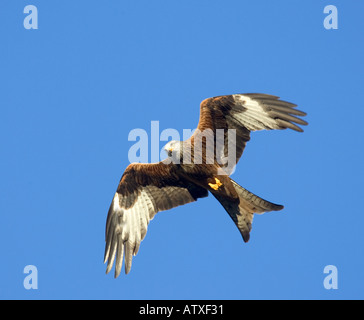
(173, 149)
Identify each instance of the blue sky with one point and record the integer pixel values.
(72, 90)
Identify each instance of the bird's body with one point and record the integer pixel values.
(195, 167)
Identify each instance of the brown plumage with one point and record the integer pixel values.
(193, 168)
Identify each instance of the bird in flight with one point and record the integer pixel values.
(195, 167)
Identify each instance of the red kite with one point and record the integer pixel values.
(146, 189)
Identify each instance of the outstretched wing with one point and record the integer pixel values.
(144, 189)
(244, 113)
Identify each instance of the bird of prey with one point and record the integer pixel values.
(192, 170)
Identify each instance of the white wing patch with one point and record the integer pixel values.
(258, 112)
(254, 117)
(127, 227)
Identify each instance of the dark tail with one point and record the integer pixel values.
(242, 212)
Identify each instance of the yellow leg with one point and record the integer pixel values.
(215, 185)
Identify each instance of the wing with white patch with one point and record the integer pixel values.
(144, 190)
(240, 114)
(258, 111)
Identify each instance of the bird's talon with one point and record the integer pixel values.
(215, 185)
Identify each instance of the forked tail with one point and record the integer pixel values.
(242, 212)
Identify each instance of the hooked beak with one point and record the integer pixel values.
(169, 151)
